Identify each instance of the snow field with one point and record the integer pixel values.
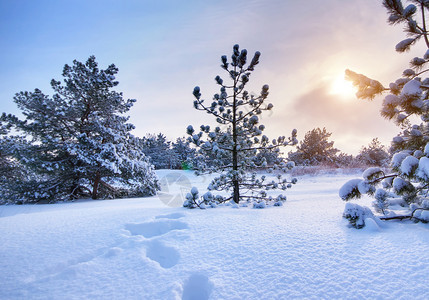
(144, 249)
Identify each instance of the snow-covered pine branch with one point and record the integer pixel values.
(408, 98)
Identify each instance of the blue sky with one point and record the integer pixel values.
(165, 48)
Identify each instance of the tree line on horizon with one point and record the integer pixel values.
(315, 149)
(79, 144)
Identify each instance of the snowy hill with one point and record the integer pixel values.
(145, 249)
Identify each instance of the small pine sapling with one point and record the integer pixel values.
(234, 147)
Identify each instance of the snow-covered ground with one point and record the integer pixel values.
(145, 249)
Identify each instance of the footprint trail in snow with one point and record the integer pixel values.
(196, 286)
(154, 231)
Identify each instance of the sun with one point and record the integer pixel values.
(342, 87)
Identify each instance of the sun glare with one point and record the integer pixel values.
(342, 87)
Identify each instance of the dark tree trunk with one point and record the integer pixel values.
(96, 183)
(235, 183)
(236, 191)
(236, 187)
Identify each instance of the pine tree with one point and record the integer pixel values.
(158, 149)
(185, 155)
(408, 97)
(315, 149)
(235, 143)
(374, 154)
(5, 162)
(11, 171)
(80, 141)
(164, 154)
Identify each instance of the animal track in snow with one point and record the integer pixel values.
(197, 287)
(155, 228)
(167, 257)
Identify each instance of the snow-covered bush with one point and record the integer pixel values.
(408, 98)
(193, 199)
(357, 215)
(78, 142)
(237, 147)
